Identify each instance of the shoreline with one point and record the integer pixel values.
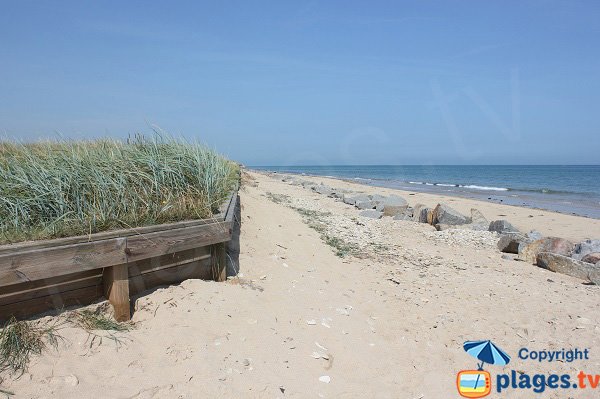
(548, 222)
(562, 202)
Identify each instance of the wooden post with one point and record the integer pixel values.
(116, 290)
(218, 262)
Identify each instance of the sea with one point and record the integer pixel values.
(569, 189)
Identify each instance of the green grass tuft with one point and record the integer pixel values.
(19, 340)
(90, 321)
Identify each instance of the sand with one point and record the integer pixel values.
(387, 323)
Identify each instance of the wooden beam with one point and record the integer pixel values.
(165, 242)
(116, 290)
(51, 262)
(218, 262)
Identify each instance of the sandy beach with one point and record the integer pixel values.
(387, 320)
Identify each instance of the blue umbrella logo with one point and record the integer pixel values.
(486, 352)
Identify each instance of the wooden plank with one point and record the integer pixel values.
(36, 284)
(51, 289)
(200, 269)
(40, 244)
(116, 290)
(229, 216)
(168, 260)
(82, 296)
(165, 242)
(50, 262)
(218, 264)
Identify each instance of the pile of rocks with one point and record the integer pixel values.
(580, 260)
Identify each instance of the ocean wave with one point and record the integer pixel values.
(474, 187)
(469, 186)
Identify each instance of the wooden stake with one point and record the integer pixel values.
(116, 290)
(218, 262)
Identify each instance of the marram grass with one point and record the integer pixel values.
(57, 189)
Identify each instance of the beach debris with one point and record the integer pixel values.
(321, 347)
(319, 355)
(502, 226)
(263, 277)
(371, 214)
(325, 378)
(569, 266)
(311, 322)
(556, 245)
(585, 247)
(325, 322)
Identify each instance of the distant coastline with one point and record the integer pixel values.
(569, 190)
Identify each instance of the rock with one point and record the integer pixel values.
(325, 378)
(371, 214)
(393, 206)
(323, 189)
(586, 247)
(534, 235)
(352, 199)
(502, 226)
(555, 245)
(377, 198)
(430, 214)
(365, 204)
(507, 257)
(348, 199)
(510, 242)
(403, 217)
(443, 214)
(593, 258)
(478, 221)
(417, 211)
(569, 266)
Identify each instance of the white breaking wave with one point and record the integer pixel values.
(470, 186)
(486, 188)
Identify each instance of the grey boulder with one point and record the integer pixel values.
(586, 247)
(594, 258)
(502, 226)
(511, 241)
(393, 205)
(555, 245)
(371, 214)
(323, 189)
(443, 214)
(569, 266)
(365, 204)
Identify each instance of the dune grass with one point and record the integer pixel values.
(56, 189)
(21, 339)
(89, 321)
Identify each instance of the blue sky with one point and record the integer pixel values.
(337, 82)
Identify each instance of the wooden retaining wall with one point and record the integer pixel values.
(53, 274)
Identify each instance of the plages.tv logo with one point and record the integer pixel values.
(478, 383)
